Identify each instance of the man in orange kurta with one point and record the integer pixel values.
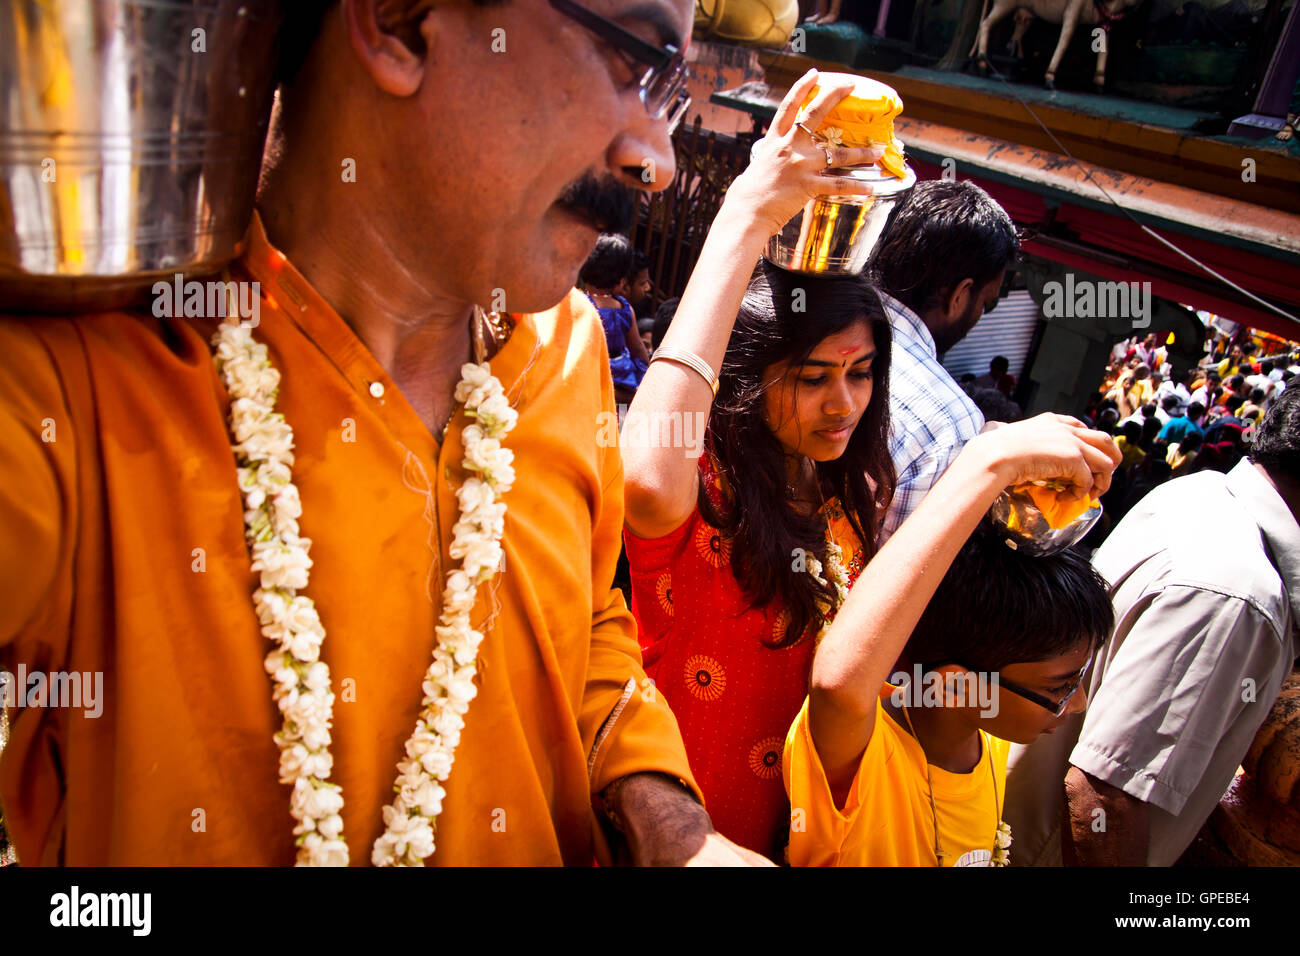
(123, 550)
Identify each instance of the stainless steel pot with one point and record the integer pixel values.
(835, 235)
(131, 137)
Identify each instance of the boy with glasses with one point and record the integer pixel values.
(909, 768)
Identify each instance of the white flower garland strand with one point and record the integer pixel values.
(839, 576)
(263, 447)
(449, 682)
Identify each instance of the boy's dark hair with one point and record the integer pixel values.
(942, 233)
(1234, 402)
(1191, 441)
(608, 263)
(1132, 432)
(1248, 348)
(1277, 437)
(1170, 403)
(1000, 362)
(997, 606)
(1265, 366)
(639, 261)
(1237, 382)
(1148, 410)
(1256, 395)
(1195, 410)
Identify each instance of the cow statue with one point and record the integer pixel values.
(1069, 14)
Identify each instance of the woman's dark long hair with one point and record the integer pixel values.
(783, 317)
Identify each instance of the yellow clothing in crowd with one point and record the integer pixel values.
(887, 819)
(123, 553)
(1179, 461)
(1132, 453)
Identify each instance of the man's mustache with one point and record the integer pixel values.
(607, 203)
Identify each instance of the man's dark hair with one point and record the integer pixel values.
(997, 606)
(1265, 366)
(1000, 365)
(1256, 396)
(1170, 403)
(663, 318)
(1237, 382)
(1195, 411)
(639, 261)
(1132, 432)
(1277, 437)
(1191, 442)
(1150, 432)
(1234, 402)
(1148, 410)
(608, 263)
(301, 25)
(1213, 375)
(942, 233)
(1248, 348)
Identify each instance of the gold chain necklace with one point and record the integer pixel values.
(929, 783)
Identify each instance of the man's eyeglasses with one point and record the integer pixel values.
(1056, 707)
(663, 85)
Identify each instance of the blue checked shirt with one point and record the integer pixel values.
(930, 417)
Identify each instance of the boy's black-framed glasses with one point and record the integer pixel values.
(1055, 707)
(662, 87)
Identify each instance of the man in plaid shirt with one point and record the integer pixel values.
(940, 267)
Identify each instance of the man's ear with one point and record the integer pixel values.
(379, 48)
(959, 298)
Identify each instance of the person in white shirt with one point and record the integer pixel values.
(1205, 635)
(1175, 384)
(939, 268)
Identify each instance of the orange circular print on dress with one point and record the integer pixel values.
(664, 592)
(713, 546)
(705, 677)
(765, 757)
(779, 625)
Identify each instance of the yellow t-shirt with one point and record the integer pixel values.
(887, 819)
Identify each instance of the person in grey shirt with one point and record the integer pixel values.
(1204, 574)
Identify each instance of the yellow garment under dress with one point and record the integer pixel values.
(886, 819)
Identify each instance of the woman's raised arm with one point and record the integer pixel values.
(661, 481)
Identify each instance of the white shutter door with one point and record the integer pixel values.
(1007, 330)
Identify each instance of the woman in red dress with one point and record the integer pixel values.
(738, 555)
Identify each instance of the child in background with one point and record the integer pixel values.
(879, 775)
(604, 277)
(639, 286)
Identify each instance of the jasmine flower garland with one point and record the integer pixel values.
(263, 445)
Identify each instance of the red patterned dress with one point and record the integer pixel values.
(734, 696)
